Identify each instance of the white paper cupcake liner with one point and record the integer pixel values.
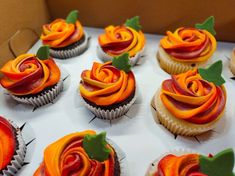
(68, 53)
(110, 114)
(178, 126)
(232, 62)
(121, 157)
(43, 99)
(18, 158)
(178, 152)
(174, 67)
(105, 57)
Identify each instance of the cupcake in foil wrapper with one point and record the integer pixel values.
(17, 160)
(72, 50)
(45, 97)
(133, 60)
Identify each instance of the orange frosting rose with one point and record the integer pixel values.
(121, 39)
(60, 34)
(106, 85)
(189, 97)
(66, 157)
(7, 143)
(29, 75)
(189, 44)
(185, 165)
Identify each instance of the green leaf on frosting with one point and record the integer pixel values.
(213, 73)
(208, 25)
(43, 52)
(219, 165)
(96, 146)
(122, 62)
(134, 23)
(72, 17)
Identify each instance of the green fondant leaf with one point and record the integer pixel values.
(96, 146)
(208, 25)
(213, 73)
(220, 165)
(134, 23)
(43, 52)
(72, 17)
(122, 62)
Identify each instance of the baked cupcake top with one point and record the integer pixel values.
(196, 96)
(108, 83)
(29, 73)
(61, 33)
(191, 44)
(7, 143)
(82, 153)
(195, 165)
(232, 61)
(121, 39)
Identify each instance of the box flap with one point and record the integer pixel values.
(157, 16)
(14, 46)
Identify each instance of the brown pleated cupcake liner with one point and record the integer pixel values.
(105, 57)
(43, 99)
(18, 158)
(232, 62)
(110, 114)
(68, 53)
(178, 152)
(174, 67)
(179, 126)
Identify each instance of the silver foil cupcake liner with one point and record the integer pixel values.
(43, 99)
(105, 57)
(18, 158)
(68, 53)
(110, 114)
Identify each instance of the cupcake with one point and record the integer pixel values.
(232, 62)
(193, 164)
(187, 48)
(32, 79)
(12, 148)
(83, 153)
(109, 89)
(127, 38)
(66, 38)
(193, 102)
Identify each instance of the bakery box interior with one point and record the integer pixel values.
(119, 84)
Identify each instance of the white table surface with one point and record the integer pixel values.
(137, 134)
